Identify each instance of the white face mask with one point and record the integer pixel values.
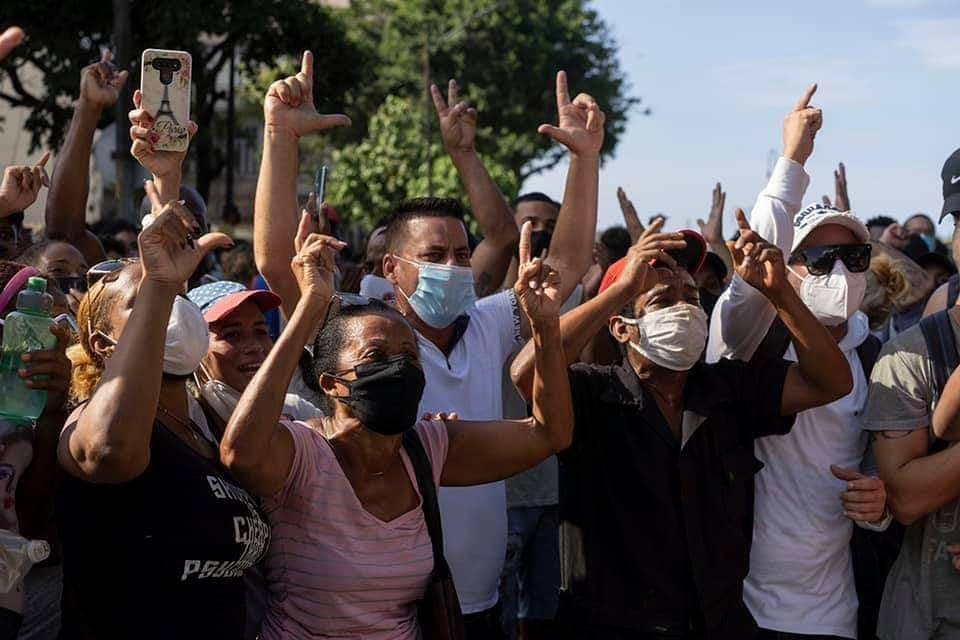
(188, 338)
(373, 286)
(221, 397)
(833, 297)
(672, 338)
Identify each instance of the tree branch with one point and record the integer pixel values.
(549, 164)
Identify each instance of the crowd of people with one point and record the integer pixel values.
(533, 432)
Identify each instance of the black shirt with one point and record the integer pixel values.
(656, 536)
(161, 556)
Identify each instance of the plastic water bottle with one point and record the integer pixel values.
(17, 556)
(26, 329)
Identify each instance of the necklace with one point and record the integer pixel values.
(184, 423)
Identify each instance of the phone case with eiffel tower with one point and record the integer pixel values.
(165, 85)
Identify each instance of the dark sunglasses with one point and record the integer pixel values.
(819, 261)
(97, 272)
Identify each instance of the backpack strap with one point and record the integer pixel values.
(942, 346)
(953, 290)
(428, 494)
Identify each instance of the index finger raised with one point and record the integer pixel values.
(804, 100)
(43, 159)
(524, 249)
(741, 219)
(438, 102)
(563, 93)
(306, 64)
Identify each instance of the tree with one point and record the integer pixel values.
(504, 54)
(370, 177)
(67, 35)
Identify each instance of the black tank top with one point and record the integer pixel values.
(161, 556)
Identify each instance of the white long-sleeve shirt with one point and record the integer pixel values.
(801, 576)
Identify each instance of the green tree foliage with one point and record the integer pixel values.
(370, 177)
(504, 54)
(66, 35)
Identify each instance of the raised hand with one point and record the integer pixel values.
(100, 83)
(458, 120)
(842, 201)
(865, 499)
(895, 236)
(159, 163)
(9, 39)
(289, 104)
(21, 185)
(638, 272)
(581, 121)
(800, 127)
(630, 217)
(315, 265)
(169, 247)
(712, 229)
(758, 262)
(538, 284)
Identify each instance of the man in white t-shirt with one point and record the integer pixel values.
(463, 346)
(801, 579)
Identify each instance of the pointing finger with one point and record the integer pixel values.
(438, 103)
(525, 232)
(306, 65)
(563, 93)
(43, 160)
(805, 98)
(452, 91)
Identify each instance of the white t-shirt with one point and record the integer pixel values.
(801, 575)
(469, 382)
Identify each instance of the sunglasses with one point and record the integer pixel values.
(97, 272)
(819, 261)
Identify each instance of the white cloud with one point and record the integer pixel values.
(936, 40)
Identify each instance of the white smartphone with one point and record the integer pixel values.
(165, 85)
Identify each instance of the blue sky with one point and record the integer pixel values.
(719, 78)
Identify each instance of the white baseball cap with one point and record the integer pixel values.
(815, 215)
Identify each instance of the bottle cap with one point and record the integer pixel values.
(36, 283)
(38, 550)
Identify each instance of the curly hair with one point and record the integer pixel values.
(93, 315)
(886, 289)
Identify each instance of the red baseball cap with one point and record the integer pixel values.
(690, 258)
(217, 300)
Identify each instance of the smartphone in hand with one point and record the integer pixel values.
(165, 85)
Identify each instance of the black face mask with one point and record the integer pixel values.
(540, 242)
(386, 395)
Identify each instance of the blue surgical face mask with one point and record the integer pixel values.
(443, 292)
(929, 239)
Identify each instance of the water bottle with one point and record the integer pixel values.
(26, 329)
(17, 556)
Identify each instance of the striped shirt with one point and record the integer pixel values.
(334, 570)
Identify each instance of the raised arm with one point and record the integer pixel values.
(821, 373)
(66, 212)
(743, 315)
(630, 218)
(288, 113)
(458, 127)
(110, 440)
(581, 131)
(255, 447)
(482, 452)
(577, 327)
(21, 185)
(712, 229)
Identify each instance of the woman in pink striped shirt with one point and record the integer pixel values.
(350, 553)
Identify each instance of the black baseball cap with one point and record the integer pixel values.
(951, 185)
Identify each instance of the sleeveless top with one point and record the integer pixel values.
(161, 556)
